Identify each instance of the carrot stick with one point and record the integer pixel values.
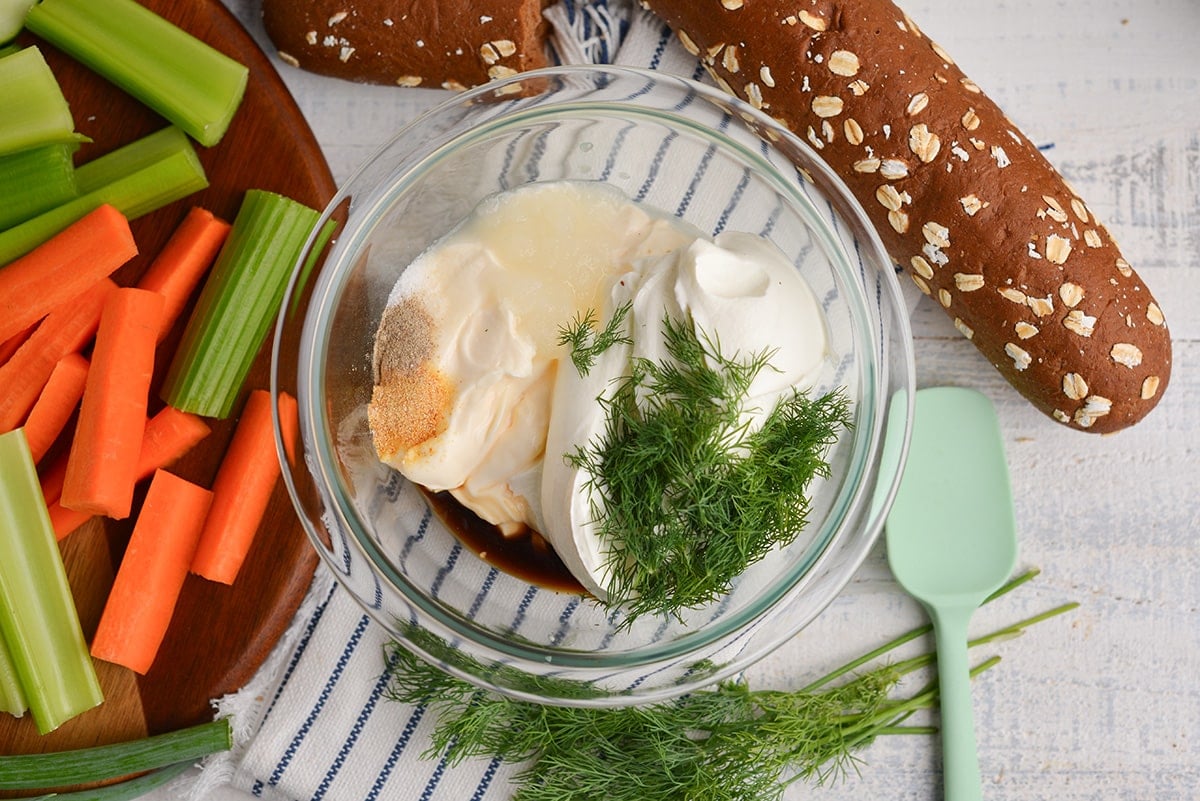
(289, 424)
(56, 404)
(182, 262)
(51, 477)
(65, 330)
(168, 436)
(102, 467)
(65, 520)
(9, 346)
(63, 267)
(155, 564)
(241, 491)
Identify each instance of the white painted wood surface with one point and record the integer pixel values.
(1105, 702)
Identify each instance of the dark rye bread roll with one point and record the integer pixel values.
(963, 201)
(429, 43)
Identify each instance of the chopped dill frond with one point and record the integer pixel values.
(586, 344)
(684, 493)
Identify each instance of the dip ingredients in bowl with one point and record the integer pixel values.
(570, 365)
(477, 267)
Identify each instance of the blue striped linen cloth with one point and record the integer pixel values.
(315, 723)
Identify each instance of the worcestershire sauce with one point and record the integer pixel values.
(523, 556)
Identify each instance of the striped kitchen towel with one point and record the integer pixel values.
(315, 723)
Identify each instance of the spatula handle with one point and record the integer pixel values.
(960, 758)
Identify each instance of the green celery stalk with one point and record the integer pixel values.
(35, 180)
(239, 300)
(34, 109)
(156, 170)
(131, 158)
(310, 261)
(182, 78)
(107, 762)
(12, 694)
(12, 18)
(37, 613)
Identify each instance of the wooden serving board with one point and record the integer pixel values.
(219, 635)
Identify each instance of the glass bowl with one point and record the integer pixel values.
(678, 147)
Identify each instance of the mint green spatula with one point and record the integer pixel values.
(951, 542)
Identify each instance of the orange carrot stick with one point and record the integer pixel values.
(56, 404)
(182, 262)
(65, 330)
(63, 267)
(152, 572)
(168, 436)
(102, 467)
(65, 520)
(241, 491)
(289, 424)
(9, 346)
(51, 477)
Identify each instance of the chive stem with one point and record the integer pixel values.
(922, 630)
(870, 656)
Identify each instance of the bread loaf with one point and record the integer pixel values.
(962, 200)
(428, 43)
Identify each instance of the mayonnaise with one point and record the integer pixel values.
(474, 394)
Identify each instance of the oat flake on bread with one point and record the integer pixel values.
(963, 201)
(426, 43)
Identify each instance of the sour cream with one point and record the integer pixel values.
(475, 395)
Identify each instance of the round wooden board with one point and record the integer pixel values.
(219, 635)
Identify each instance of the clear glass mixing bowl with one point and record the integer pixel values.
(681, 148)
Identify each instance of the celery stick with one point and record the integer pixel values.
(34, 109)
(166, 170)
(185, 80)
(131, 158)
(37, 612)
(239, 300)
(105, 762)
(12, 18)
(310, 261)
(12, 695)
(35, 180)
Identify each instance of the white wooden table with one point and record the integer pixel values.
(1105, 702)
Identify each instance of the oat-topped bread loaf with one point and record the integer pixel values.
(963, 201)
(431, 43)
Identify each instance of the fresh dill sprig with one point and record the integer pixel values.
(727, 743)
(683, 491)
(586, 344)
(500, 674)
